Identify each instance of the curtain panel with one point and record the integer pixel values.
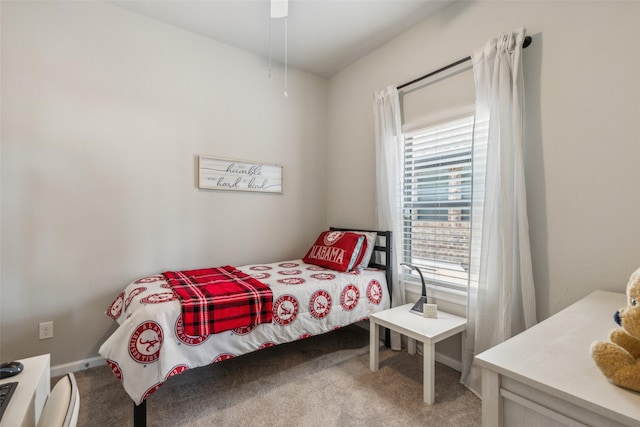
(501, 297)
(388, 135)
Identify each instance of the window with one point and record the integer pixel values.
(436, 201)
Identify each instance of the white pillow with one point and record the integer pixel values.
(371, 242)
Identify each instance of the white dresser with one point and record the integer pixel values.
(34, 384)
(545, 376)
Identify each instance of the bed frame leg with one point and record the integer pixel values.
(140, 414)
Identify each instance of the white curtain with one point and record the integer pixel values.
(501, 301)
(388, 133)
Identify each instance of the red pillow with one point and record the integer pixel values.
(337, 250)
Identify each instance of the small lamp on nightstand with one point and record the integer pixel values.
(421, 307)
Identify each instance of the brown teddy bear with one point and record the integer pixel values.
(619, 360)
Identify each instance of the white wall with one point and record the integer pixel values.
(103, 115)
(582, 139)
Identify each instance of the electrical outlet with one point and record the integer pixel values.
(46, 330)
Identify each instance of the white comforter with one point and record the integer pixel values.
(150, 346)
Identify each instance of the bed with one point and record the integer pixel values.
(150, 344)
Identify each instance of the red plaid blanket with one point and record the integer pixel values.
(219, 299)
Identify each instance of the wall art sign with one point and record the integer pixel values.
(225, 174)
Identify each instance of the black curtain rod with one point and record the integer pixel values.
(526, 43)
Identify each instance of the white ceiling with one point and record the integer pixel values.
(324, 36)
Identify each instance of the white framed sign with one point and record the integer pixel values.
(236, 175)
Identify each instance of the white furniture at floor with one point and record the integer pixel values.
(63, 404)
(415, 327)
(545, 376)
(34, 383)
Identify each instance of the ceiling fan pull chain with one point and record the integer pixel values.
(286, 92)
(270, 31)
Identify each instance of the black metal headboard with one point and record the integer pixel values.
(385, 247)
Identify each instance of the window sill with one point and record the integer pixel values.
(454, 302)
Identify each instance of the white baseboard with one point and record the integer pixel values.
(78, 365)
(454, 364)
(449, 361)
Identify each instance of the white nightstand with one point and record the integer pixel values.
(415, 327)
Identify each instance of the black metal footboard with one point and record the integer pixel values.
(140, 414)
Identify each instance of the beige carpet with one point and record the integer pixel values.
(319, 381)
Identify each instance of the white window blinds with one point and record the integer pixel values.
(436, 202)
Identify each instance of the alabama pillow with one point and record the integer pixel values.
(337, 250)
